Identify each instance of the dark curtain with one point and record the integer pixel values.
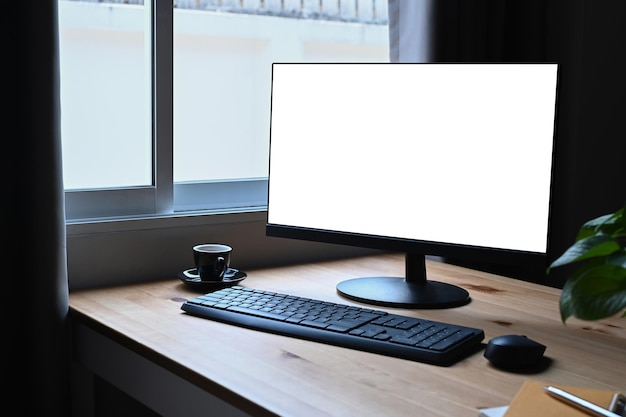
(36, 361)
(489, 31)
(468, 30)
(587, 38)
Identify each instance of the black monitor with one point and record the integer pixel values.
(443, 159)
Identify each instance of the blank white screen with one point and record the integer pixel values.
(454, 153)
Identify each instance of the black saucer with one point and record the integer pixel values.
(231, 276)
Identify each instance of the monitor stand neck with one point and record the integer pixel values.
(415, 268)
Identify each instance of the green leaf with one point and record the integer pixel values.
(613, 224)
(594, 293)
(592, 226)
(589, 247)
(597, 288)
(617, 259)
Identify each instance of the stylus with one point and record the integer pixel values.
(580, 403)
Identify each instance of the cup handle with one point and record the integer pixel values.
(220, 266)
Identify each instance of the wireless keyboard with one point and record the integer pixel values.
(343, 325)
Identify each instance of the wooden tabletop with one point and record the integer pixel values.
(266, 374)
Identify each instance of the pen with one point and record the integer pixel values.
(582, 404)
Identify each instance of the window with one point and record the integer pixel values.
(165, 113)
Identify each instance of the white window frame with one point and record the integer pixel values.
(159, 198)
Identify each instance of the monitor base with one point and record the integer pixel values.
(398, 292)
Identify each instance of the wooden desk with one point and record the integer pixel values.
(207, 365)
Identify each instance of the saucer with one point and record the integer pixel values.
(231, 276)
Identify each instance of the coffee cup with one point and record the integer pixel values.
(212, 260)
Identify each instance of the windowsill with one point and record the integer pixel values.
(181, 219)
(123, 251)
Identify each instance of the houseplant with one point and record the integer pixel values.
(597, 287)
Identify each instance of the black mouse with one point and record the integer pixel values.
(514, 352)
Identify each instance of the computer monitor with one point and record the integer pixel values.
(443, 159)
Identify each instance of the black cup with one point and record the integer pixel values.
(212, 260)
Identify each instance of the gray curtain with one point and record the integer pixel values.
(586, 38)
(36, 365)
(410, 30)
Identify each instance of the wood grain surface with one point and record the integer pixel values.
(266, 374)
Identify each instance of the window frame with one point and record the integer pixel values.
(163, 197)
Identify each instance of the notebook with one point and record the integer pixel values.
(532, 400)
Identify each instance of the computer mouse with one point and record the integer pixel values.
(514, 352)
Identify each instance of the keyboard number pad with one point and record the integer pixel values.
(413, 332)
